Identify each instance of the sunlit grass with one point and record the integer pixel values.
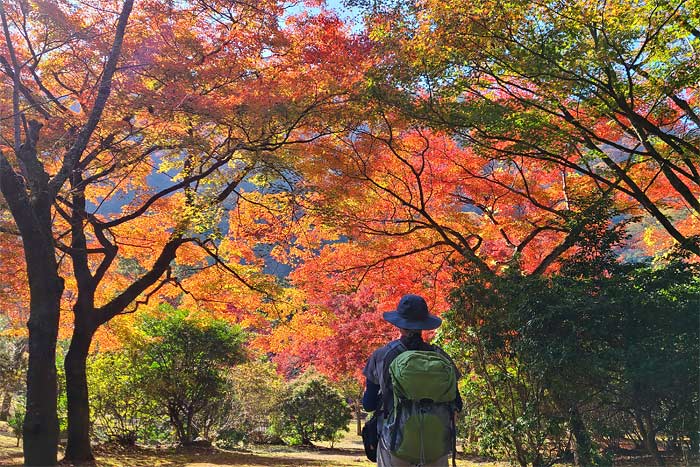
(347, 452)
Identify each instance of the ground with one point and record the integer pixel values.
(347, 452)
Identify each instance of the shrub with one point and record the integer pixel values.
(256, 390)
(183, 361)
(16, 421)
(121, 410)
(593, 353)
(312, 410)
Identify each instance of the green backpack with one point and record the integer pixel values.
(421, 425)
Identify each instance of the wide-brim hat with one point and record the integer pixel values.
(412, 313)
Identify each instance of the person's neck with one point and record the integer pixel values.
(412, 341)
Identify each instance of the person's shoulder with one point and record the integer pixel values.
(382, 351)
(375, 364)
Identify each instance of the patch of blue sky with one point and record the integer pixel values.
(350, 15)
(71, 102)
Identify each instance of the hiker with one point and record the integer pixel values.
(402, 398)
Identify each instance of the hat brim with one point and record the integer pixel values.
(431, 322)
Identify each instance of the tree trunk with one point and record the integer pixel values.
(41, 422)
(520, 455)
(5, 408)
(582, 453)
(358, 416)
(191, 431)
(32, 215)
(652, 447)
(177, 423)
(78, 449)
(645, 425)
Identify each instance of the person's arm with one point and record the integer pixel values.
(370, 399)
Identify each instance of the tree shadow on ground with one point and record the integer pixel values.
(200, 457)
(344, 451)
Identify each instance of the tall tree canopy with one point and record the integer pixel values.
(130, 136)
(606, 91)
(493, 134)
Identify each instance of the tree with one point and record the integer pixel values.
(210, 101)
(312, 410)
(660, 359)
(15, 423)
(184, 357)
(598, 337)
(458, 154)
(606, 91)
(30, 193)
(414, 190)
(394, 209)
(257, 389)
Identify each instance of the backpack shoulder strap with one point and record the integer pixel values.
(395, 349)
(439, 350)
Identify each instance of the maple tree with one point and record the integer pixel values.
(145, 138)
(498, 182)
(541, 119)
(390, 208)
(607, 91)
(180, 151)
(30, 194)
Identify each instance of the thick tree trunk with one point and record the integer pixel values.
(78, 449)
(41, 422)
(32, 216)
(5, 407)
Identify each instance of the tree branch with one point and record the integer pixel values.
(76, 150)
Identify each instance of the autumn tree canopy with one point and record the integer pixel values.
(493, 135)
(178, 152)
(607, 92)
(127, 144)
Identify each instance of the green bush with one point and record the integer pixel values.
(15, 421)
(598, 353)
(312, 410)
(183, 360)
(121, 410)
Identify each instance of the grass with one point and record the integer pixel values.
(347, 452)
(9, 453)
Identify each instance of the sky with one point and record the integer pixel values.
(348, 14)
